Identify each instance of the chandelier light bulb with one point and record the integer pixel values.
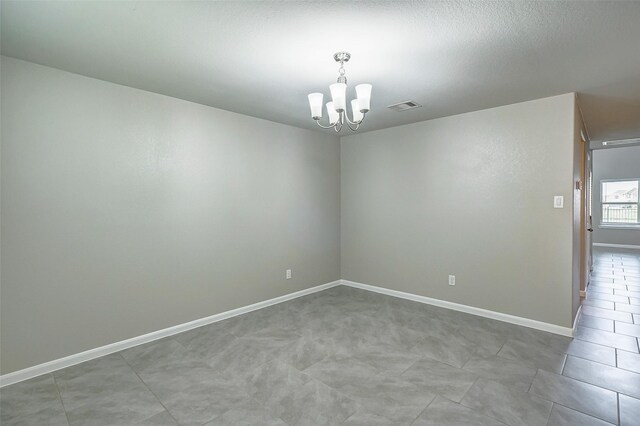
(363, 91)
(339, 96)
(334, 116)
(315, 103)
(355, 110)
(337, 108)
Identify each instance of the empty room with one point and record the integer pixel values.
(319, 213)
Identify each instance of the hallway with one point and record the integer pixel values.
(611, 317)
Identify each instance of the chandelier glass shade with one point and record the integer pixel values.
(337, 107)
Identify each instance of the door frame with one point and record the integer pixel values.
(586, 224)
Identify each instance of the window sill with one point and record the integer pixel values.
(619, 226)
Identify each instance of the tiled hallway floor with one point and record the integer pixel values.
(347, 356)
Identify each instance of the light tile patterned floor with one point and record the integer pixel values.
(347, 356)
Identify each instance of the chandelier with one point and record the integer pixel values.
(337, 108)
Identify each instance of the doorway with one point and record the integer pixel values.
(586, 216)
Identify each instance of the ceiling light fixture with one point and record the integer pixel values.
(337, 108)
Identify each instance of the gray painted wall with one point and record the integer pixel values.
(125, 212)
(613, 163)
(469, 195)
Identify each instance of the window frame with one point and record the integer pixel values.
(621, 225)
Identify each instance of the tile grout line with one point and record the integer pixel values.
(268, 410)
(534, 379)
(55, 382)
(468, 389)
(502, 347)
(607, 346)
(425, 408)
(575, 409)
(553, 404)
(409, 367)
(592, 360)
(341, 393)
(567, 355)
(598, 386)
(149, 389)
(594, 328)
(507, 386)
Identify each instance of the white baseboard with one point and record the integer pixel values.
(51, 366)
(68, 361)
(577, 319)
(526, 322)
(623, 246)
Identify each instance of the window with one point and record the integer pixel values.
(620, 202)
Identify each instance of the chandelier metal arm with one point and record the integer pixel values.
(337, 126)
(330, 126)
(353, 129)
(344, 119)
(357, 123)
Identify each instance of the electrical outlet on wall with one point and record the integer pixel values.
(288, 274)
(558, 201)
(452, 280)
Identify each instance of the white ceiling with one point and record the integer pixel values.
(263, 58)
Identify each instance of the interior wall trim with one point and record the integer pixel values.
(68, 361)
(576, 320)
(627, 246)
(526, 322)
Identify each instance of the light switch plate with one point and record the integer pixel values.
(558, 201)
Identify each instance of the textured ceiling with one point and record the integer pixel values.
(262, 58)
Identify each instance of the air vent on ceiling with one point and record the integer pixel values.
(621, 142)
(403, 106)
